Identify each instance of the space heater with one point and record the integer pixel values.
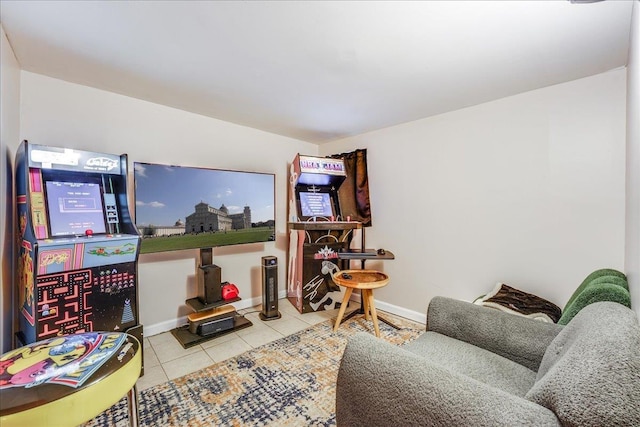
(270, 288)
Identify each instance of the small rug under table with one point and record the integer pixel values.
(288, 382)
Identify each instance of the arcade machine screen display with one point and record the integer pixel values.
(316, 204)
(74, 208)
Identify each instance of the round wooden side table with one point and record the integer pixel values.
(366, 281)
(68, 380)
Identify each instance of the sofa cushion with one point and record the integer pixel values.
(475, 362)
(590, 373)
(517, 338)
(380, 384)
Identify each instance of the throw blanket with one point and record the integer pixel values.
(515, 301)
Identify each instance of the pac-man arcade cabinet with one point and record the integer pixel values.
(77, 244)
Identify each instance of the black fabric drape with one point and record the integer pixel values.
(354, 191)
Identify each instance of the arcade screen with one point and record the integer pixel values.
(180, 207)
(74, 207)
(315, 204)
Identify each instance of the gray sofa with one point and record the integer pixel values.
(476, 366)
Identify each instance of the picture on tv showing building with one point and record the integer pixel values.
(181, 207)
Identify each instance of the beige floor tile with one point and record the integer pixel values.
(149, 356)
(285, 307)
(261, 337)
(165, 359)
(263, 325)
(311, 318)
(187, 364)
(219, 340)
(228, 349)
(167, 347)
(288, 325)
(257, 326)
(153, 376)
(318, 317)
(251, 310)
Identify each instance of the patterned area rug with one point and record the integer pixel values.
(288, 382)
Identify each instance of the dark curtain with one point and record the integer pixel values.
(354, 191)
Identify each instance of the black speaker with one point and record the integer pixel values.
(270, 288)
(214, 326)
(209, 278)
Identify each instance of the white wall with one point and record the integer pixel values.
(10, 133)
(58, 113)
(632, 247)
(528, 190)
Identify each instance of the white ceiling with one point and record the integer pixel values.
(318, 70)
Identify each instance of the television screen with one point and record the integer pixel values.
(179, 207)
(74, 208)
(316, 205)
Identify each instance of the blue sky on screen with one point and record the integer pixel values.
(165, 194)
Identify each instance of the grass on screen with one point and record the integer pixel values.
(204, 240)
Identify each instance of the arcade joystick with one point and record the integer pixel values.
(381, 251)
(88, 232)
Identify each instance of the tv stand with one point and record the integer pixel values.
(185, 334)
(197, 305)
(210, 319)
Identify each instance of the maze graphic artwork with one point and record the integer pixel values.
(62, 303)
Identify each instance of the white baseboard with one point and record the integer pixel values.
(398, 311)
(158, 328)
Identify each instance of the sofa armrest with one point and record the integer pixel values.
(517, 338)
(380, 384)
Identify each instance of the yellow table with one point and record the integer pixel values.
(68, 380)
(366, 281)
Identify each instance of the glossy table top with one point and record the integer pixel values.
(361, 279)
(67, 380)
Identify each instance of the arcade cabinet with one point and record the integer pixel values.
(318, 233)
(77, 247)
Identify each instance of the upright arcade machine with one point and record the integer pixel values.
(317, 233)
(77, 245)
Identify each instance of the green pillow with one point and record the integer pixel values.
(614, 280)
(604, 272)
(595, 292)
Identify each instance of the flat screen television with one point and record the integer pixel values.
(74, 207)
(180, 207)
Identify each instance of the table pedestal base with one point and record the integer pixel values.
(360, 311)
(366, 281)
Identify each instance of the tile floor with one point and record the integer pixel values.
(165, 359)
